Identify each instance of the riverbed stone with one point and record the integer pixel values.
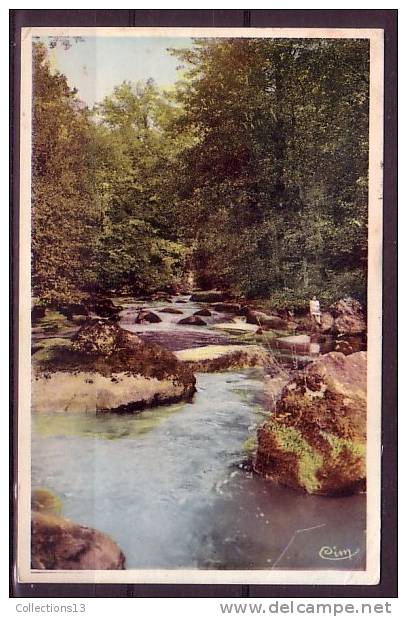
(60, 544)
(315, 438)
(148, 317)
(104, 369)
(214, 358)
(203, 313)
(192, 320)
(171, 310)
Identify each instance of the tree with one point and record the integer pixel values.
(138, 246)
(64, 196)
(280, 157)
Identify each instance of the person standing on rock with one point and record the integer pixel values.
(315, 310)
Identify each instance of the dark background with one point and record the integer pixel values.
(259, 18)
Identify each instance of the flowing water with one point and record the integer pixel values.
(171, 486)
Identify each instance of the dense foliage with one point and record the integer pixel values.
(252, 173)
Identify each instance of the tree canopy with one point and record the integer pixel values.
(252, 172)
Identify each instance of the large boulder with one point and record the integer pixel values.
(348, 316)
(315, 439)
(192, 320)
(59, 544)
(104, 369)
(214, 358)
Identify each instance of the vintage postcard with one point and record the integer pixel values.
(200, 305)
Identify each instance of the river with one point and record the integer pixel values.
(171, 485)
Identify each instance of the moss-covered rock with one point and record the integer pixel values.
(106, 368)
(315, 439)
(59, 544)
(216, 358)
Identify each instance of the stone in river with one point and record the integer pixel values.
(148, 316)
(105, 369)
(212, 358)
(171, 310)
(203, 313)
(315, 440)
(192, 320)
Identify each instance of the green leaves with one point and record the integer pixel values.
(281, 156)
(254, 169)
(64, 203)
